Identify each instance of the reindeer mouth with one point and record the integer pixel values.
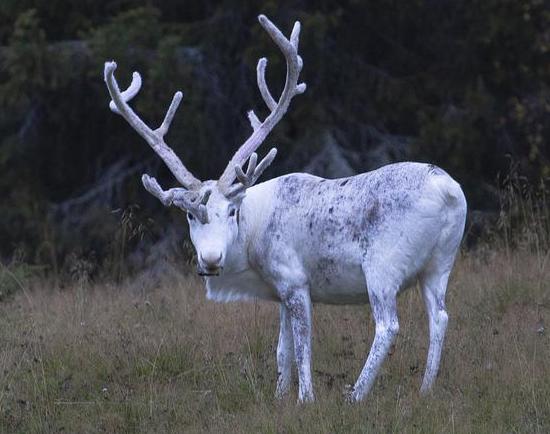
(209, 272)
(203, 273)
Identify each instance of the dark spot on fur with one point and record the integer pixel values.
(271, 226)
(373, 213)
(329, 213)
(292, 190)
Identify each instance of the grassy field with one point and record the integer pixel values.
(129, 358)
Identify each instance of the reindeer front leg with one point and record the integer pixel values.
(298, 304)
(284, 271)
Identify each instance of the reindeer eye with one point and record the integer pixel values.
(190, 216)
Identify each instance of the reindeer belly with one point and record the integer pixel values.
(333, 282)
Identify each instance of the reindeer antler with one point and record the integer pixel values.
(155, 138)
(188, 197)
(191, 201)
(252, 174)
(294, 65)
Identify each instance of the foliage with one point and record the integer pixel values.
(15, 276)
(524, 220)
(467, 81)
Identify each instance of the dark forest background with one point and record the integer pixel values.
(463, 84)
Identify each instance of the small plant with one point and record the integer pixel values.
(524, 220)
(132, 227)
(14, 275)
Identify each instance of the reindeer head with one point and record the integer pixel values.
(213, 206)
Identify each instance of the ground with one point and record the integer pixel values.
(128, 358)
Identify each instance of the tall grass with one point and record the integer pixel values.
(524, 220)
(117, 359)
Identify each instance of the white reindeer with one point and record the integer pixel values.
(299, 239)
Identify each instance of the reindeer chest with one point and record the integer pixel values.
(243, 286)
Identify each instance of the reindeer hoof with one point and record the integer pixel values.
(349, 394)
(306, 399)
(280, 394)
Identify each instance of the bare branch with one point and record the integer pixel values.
(155, 138)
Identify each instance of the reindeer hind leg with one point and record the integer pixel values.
(285, 354)
(434, 287)
(383, 300)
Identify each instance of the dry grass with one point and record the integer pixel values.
(123, 359)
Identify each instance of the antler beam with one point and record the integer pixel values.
(155, 138)
(278, 108)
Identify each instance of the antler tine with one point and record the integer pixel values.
(129, 93)
(260, 78)
(278, 108)
(253, 172)
(155, 138)
(182, 198)
(266, 161)
(153, 187)
(254, 121)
